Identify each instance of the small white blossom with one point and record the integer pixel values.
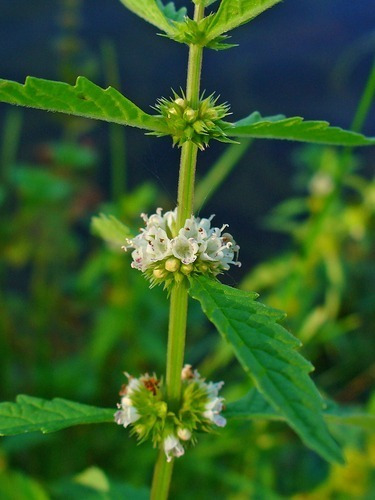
(198, 245)
(185, 249)
(214, 405)
(212, 411)
(172, 447)
(128, 413)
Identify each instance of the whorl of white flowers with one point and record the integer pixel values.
(165, 255)
(143, 407)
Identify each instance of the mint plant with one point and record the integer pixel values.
(186, 254)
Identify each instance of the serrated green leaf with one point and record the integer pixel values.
(110, 229)
(254, 405)
(233, 13)
(30, 414)
(267, 353)
(296, 129)
(170, 11)
(83, 99)
(150, 12)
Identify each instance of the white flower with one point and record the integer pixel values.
(214, 404)
(184, 249)
(133, 385)
(212, 411)
(172, 447)
(198, 245)
(128, 413)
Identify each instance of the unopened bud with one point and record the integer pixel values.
(180, 102)
(159, 273)
(211, 114)
(186, 268)
(172, 264)
(190, 115)
(184, 434)
(203, 268)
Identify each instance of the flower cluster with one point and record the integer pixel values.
(144, 408)
(196, 124)
(167, 257)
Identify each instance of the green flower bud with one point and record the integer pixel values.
(198, 125)
(186, 269)
(203, 268)
(211, 114)
(172, 264)
(159, 273)
(180, 102)
(190, 115)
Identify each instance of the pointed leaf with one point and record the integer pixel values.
(31, 414)
(170, 11)
(254, 405)
(110, 229)
(149, 11)
(233, 13)
(267, 353)
(296, 129)
(83, 99)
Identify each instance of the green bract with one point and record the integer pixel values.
(195, 124)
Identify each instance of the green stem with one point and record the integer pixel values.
(179, 292)
(176, 342)
(162, 478)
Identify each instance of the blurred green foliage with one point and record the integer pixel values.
(74, 316)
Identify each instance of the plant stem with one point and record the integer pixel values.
(189, 150)
(179, 292)
(176, 342)
(162, 478)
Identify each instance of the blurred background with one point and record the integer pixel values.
(73, 315)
